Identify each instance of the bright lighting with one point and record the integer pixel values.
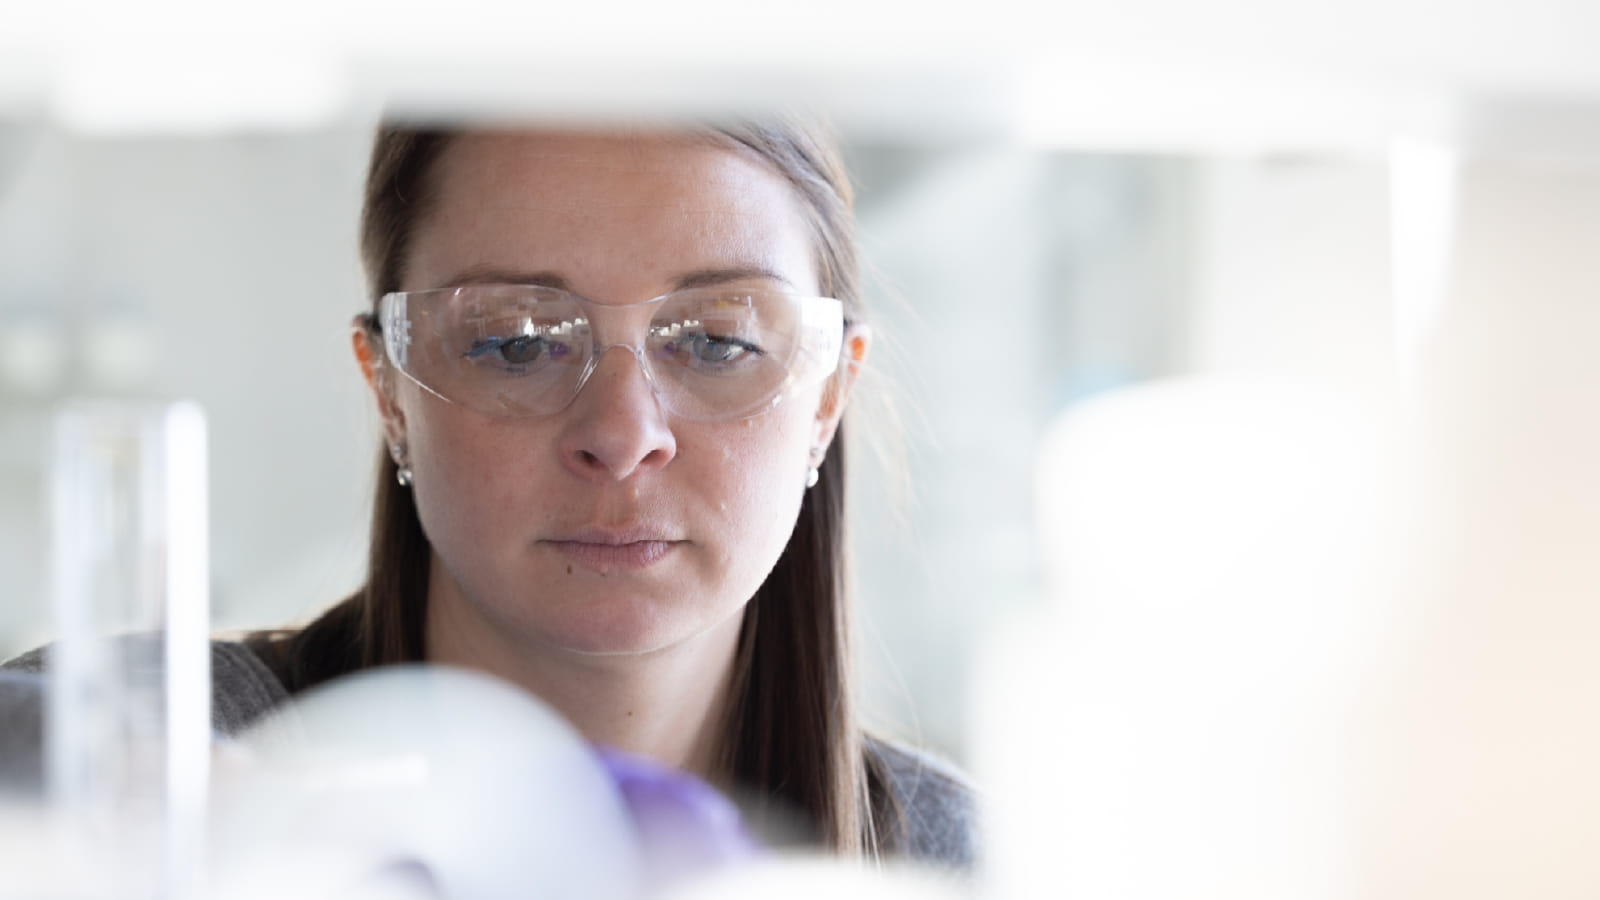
(1423, 179)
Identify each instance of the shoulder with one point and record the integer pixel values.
(938, 805)
(243, 688)
(32, 662)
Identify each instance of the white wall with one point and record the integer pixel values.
(1010, 284)
(231, 263)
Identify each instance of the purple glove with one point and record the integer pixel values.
(685, 827)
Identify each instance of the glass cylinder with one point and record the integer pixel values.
(128, 726)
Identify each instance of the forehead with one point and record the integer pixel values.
(615, 214)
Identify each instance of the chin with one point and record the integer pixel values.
(619, 641)
(591, 616)
(621, 626)
(629, 629)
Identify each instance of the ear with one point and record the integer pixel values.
(836, 392)
(368, 348)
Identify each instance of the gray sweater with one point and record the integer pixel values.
(937, 800)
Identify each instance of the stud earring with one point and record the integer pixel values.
(811, 477)
(403, 473)
(813, 473)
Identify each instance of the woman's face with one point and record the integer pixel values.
(611, 526)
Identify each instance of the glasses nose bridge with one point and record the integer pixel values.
(635, 350)
(597, 356)
(608, 322)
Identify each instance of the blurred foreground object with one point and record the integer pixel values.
(685, 827)
(1153, 75)
(414, 781)
(128, 722)
(1479, 729)
(1172, 725)
(807, 878)
(1317, 641)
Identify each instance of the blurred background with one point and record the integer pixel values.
(1227, 266)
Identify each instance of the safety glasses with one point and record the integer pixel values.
(709, 354)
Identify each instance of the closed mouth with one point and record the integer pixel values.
(608, 556)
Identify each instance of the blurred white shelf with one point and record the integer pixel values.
(1150, 75)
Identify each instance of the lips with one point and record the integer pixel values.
(607, 558)
(608, 550)
(625, 534)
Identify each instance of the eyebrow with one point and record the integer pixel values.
(494, 275)
(710, 277)
(696, 279)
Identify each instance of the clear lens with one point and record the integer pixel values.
(716, 355)
(526, 351)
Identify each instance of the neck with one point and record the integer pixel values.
(667, 704)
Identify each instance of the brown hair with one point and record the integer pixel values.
(792, 737)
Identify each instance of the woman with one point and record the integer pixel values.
(611, 369)
(654, 546)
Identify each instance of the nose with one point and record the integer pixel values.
(615, 427)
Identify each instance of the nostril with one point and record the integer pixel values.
(588, 458)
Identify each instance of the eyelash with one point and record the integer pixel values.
(488, 346)
(703, 338)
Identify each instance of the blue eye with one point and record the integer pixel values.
(710, 351)
(523, 350)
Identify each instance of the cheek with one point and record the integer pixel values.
(453, 478)
(759, 468)
(468, 474)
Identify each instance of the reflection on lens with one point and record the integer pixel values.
(518, 350)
